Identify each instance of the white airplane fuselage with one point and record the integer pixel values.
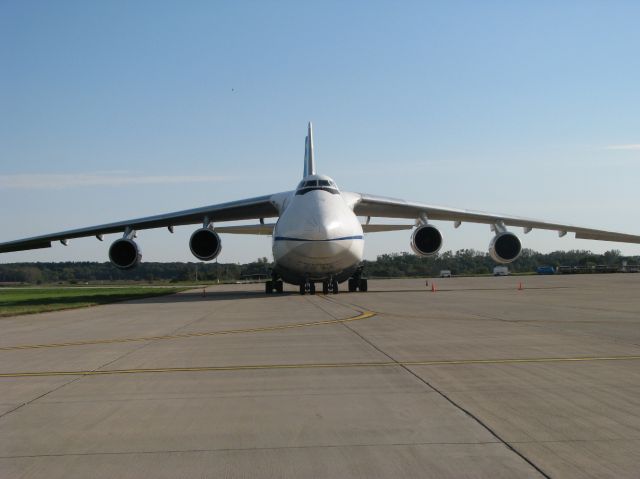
(317, 237)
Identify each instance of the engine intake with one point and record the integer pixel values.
(124, 253)
(505, 247)
(205, 244)
(426, 240)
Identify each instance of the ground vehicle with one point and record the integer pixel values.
(546, 270)
(501, 271)
(445, 273)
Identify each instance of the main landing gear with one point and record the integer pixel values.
(273, 284)
(357, 282)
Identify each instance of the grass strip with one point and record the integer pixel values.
(20, 301)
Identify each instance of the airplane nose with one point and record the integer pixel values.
(321, 249)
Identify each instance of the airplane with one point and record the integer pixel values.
(317, 237)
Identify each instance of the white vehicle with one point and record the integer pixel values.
(317, 237)
(445, 273)
(501, 271)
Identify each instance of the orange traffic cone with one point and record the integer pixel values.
(433, 287)
(204, 293)
(520, 286)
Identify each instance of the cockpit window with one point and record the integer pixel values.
(311, 185)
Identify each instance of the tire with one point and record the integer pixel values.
(301, 288)
(268, 287)
(312, 288)
(325, 287)
(335, 287)
(364, 285)
(353, 285)
(279, 286)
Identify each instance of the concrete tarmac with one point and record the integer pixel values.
(478, 379)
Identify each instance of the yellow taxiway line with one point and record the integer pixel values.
(316, 366)
(361, 316)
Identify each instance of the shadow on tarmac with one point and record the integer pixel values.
(196, 295)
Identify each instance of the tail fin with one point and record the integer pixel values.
(309, 163)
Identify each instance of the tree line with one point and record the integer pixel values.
(469, 261)
(85, 271)
(462, 262)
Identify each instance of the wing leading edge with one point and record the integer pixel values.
(252, 208)
(379, 206)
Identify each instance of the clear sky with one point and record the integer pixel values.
(119, 109)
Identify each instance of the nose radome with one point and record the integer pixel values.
(317, 229)
(320, 249)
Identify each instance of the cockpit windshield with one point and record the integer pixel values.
(310, 185)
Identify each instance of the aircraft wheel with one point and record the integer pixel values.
(268, 287)
(302, 291)
(312, 288)
(363, 285)
(325, 287)
(279, 286)
(335, 287)
(352, 285)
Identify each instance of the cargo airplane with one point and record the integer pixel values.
(317, 237)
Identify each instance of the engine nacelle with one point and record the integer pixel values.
(426, 240)
(124, 253)
(505, 247)
(205, 244)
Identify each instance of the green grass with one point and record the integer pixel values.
(17, 301)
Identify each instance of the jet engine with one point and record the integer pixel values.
(505, 247)
(426, 240)
(124, 253)
(205, 244)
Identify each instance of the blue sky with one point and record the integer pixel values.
(112, 110)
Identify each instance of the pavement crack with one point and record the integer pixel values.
(451, 401)
(250, 449)
(31, 401)
(26, 403)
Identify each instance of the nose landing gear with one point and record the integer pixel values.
(330, 286)
(308, 287)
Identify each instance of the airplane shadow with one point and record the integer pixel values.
(439, 290)
(191, 296)
(197, 296)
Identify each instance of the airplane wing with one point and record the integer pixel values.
(380, 206)
(259, 229)
(367, 228)
(251, 208)
(267, 228)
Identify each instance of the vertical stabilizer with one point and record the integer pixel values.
(309, 164)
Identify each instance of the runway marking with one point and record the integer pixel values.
(361, 316)
(316, 366)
